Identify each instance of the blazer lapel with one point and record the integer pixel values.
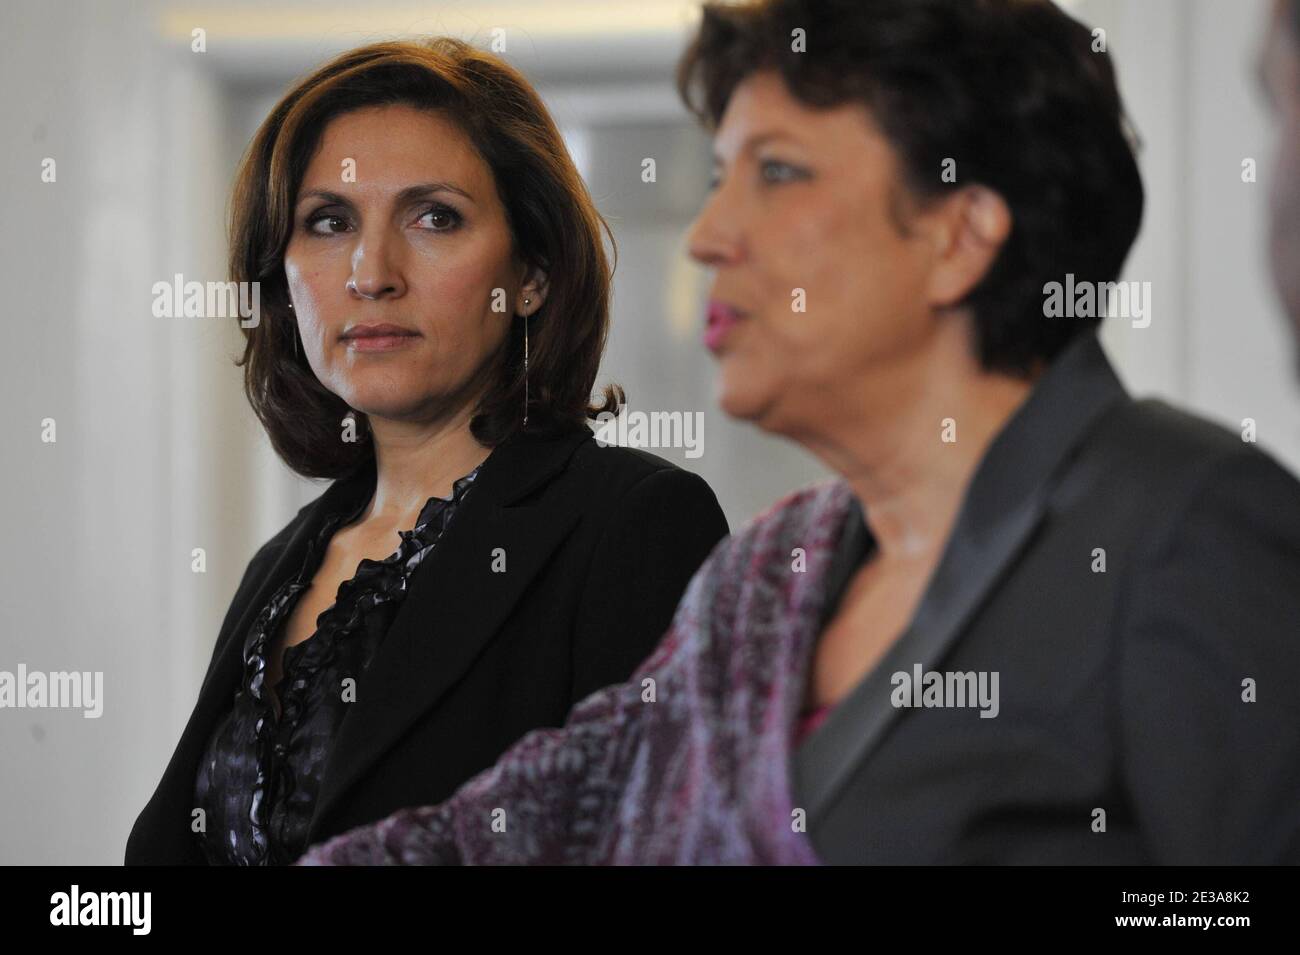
(344, 494)
(455, 604)
(224, 672)
(1006, 500)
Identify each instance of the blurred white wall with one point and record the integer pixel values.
(158, 454)
(1218, 342)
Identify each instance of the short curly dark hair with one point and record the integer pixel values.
(553, 222)
(1012, 89)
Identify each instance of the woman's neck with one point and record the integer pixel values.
(912, 440)
(415, 461)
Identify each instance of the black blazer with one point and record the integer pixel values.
(1119, 690)
(599, 544)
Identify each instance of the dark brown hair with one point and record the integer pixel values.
(1012, 89)
(553, 223)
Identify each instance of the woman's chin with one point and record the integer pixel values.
(741, 401)
(385, 406)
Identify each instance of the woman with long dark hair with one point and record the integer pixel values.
(436, 302)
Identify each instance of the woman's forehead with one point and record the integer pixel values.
(392, 148)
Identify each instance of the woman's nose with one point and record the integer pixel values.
(375, 273)
(371, 288)
(714, 238)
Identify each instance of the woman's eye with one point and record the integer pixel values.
(441, 219)
(327, 224)
(773, 170)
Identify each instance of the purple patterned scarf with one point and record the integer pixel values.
(688, 762)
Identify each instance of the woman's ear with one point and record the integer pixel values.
(533, 287)
(976, 224)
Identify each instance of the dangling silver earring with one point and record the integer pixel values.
(527, 301)
(295, 336)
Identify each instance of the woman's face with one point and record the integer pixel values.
(800, 219)
(398, 222)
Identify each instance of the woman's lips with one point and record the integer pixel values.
(721, 319)
(380, 342)
(371, 338)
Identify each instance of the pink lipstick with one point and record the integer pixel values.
(721, 319)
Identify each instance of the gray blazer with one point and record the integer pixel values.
(1131, 574)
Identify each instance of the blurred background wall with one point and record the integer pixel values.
(157, 452)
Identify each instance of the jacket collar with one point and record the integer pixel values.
(455, 604)
(1033, 446)
(1006, 500)
(518, 466)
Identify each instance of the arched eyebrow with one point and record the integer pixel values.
(758, 139)
(409, 194)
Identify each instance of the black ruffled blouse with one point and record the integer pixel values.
(259, 777)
